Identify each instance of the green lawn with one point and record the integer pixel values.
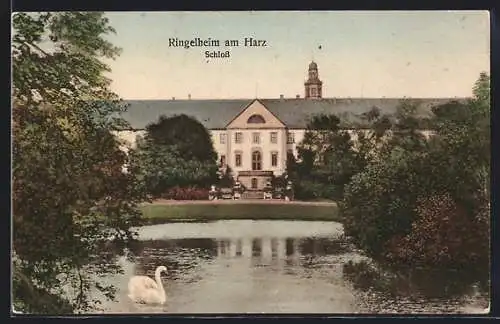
(156, 214)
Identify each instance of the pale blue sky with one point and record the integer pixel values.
(369, 54)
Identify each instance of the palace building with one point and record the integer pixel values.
(254, 136)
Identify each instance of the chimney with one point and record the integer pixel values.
(297, 96)
(281, 96)
(189, 96)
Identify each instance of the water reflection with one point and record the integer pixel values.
(260, 251)
(178, 255)
(275, 274)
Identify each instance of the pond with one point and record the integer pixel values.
(249, 266)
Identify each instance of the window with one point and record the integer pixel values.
(238, 137)
(274, 137)
(291, 138)
(256, 160)
(274, 159)
(256, 119)
(254, 183)
(256, 138)
(237, 159)
(223, 160)
(313, 92)
(222, 138)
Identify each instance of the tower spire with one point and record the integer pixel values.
(313, 85)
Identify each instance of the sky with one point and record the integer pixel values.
(363, 54)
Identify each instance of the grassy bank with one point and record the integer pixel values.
(164, 213)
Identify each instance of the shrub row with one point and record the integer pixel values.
(187, 193)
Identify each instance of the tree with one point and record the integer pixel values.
(190, 138)
(481, 104)
(69, 194)
(175, 151)
(427, 201)
(331, 156)
(379, 202)
(460, 156)
(406, 131)
(324, 152)
(482, 91)
(161, 167)
(370, 138)
(464, 133)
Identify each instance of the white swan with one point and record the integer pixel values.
(145, 290)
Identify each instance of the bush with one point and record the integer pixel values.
(404, 208)
(379, 203)
(227, 180)
(411, 281)
(160, 167)
(279, 181)
(362, 274)
(333, 192)
(188, 193)
(443, 235)
(308, 190)
(426, 202)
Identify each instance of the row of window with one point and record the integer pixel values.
(238, 138)
(256, 160)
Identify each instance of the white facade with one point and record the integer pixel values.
(246, 144)
(237, 153)
(235, 147)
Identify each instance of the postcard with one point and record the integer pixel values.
(260, 162)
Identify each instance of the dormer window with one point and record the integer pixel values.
(256, 119)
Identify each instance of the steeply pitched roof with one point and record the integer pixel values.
(295, 113)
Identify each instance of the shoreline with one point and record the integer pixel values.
(241, 202)
(176, 211)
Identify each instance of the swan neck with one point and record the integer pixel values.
(158, 279)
